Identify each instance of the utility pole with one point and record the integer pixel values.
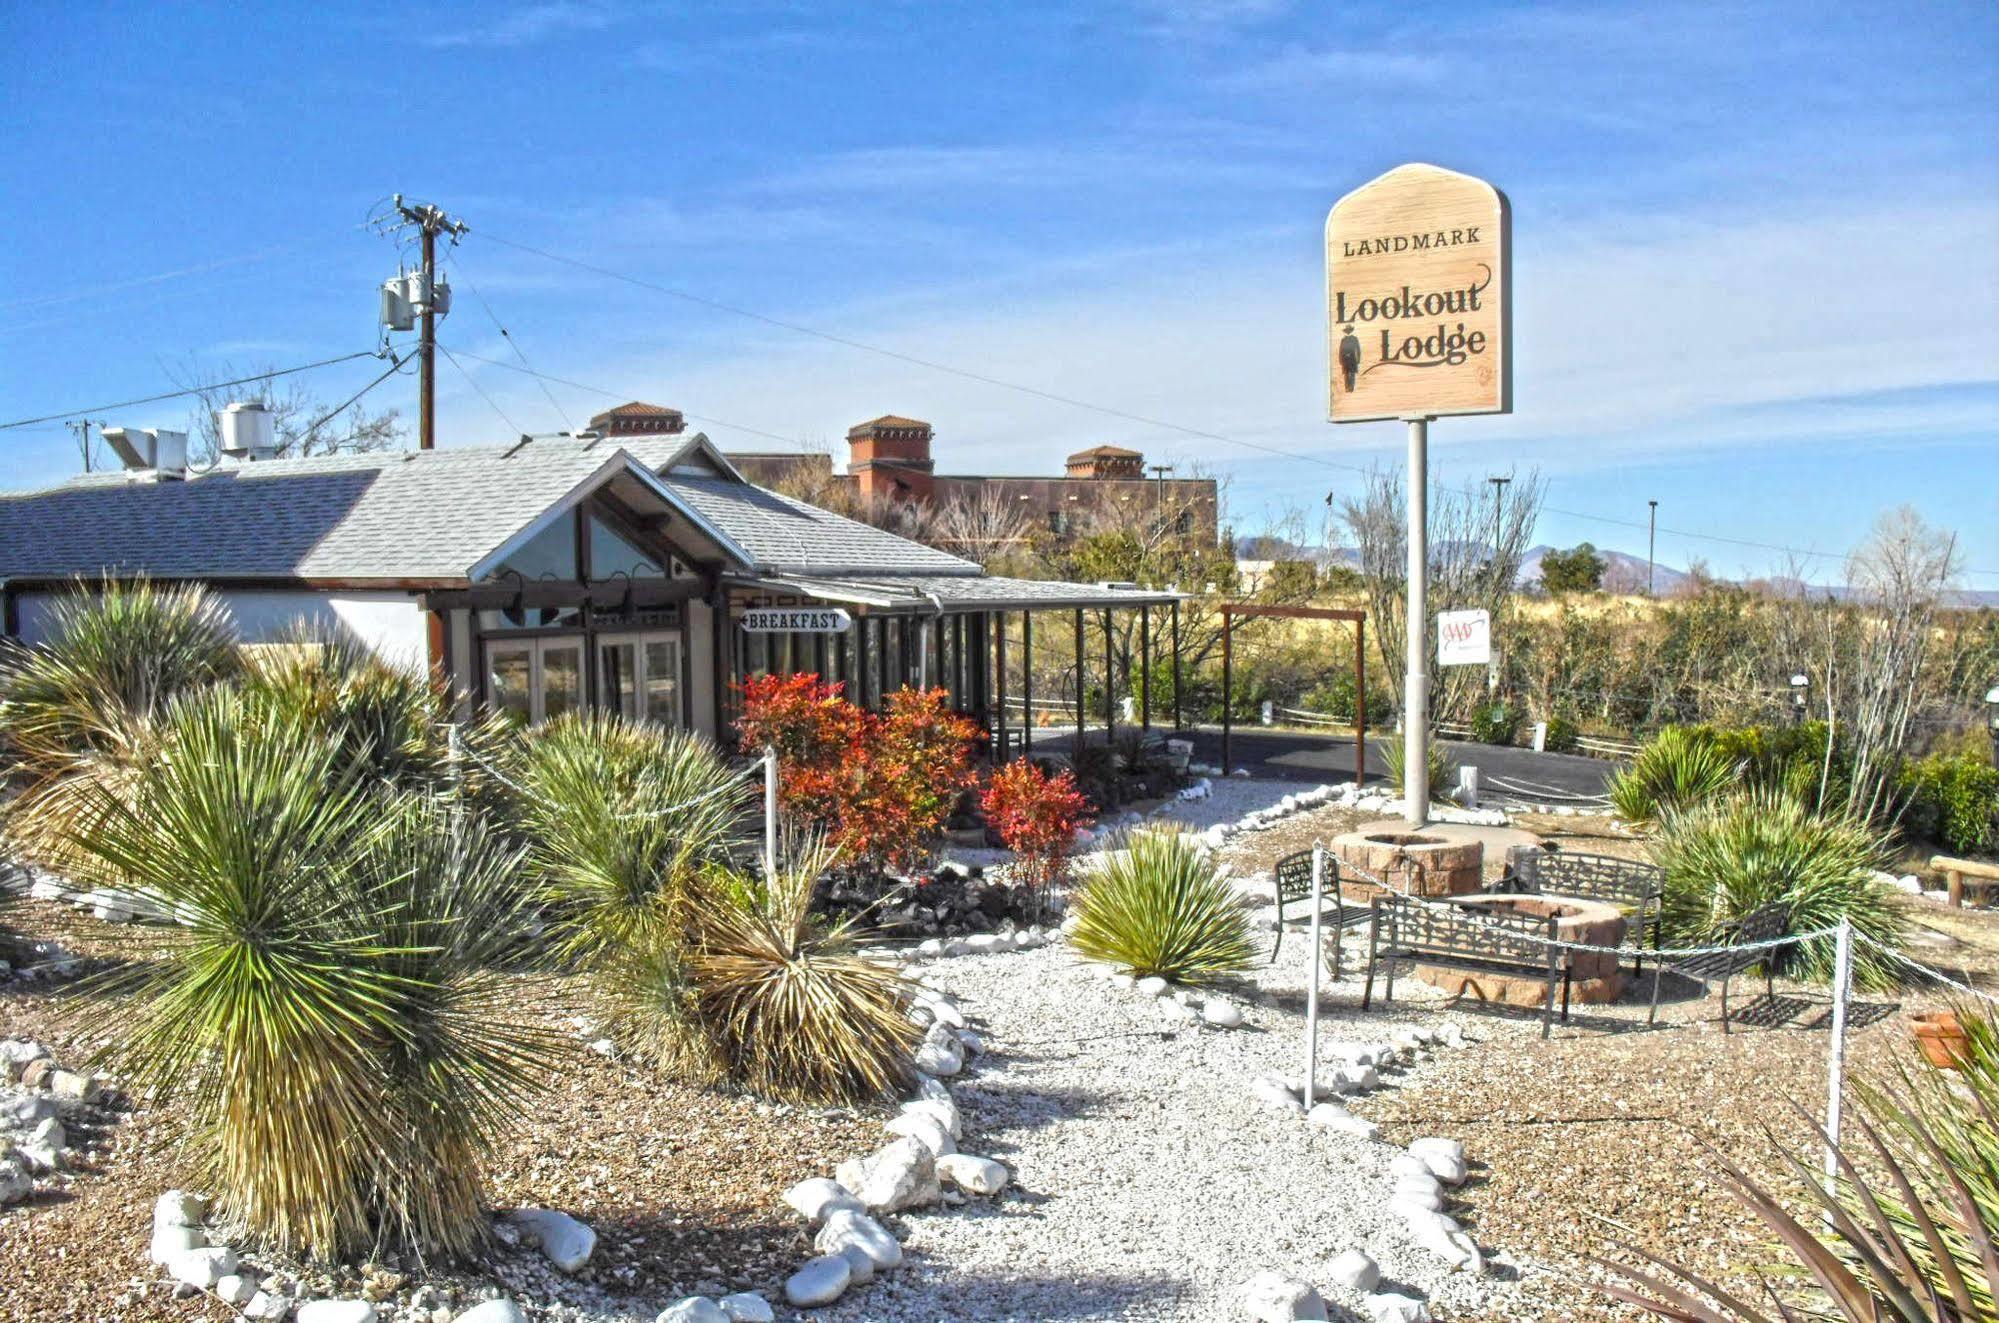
(82, 428)
(1498, 569)
(1651, 548)
(1159, 472)
(430, 222)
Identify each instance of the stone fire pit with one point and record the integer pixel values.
(1594, 974)
(1417, 863)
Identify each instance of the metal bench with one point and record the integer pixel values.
(1402, 930)
(1759, 925)
(1636, 887)
(1293, 886)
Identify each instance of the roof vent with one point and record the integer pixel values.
(247, 431)
(153, 450)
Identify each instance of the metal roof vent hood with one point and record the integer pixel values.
(150, 450)
(246, 431)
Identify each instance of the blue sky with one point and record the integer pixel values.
(1755, 261)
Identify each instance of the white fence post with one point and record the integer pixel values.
(770, 815)
(1842, 986)
(1312, 979)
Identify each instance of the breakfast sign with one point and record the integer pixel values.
(1419, 297)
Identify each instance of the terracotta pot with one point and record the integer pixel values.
(1942, 1039)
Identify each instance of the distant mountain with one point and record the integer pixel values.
(1620, 571)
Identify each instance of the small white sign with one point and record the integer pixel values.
(797, 620)
(1464, 638)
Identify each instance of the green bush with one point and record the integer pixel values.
(1562, 737)
(1439, 767)
(1161, 906)
(1496, 722)
(1727, 857)
(329, 1002)
(1953, 799)
(1788, 758)
(1680, 768)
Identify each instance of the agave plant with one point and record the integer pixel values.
(622, 818)
(1437, 767)
(1907, 1231)
(1728, 857)
(1161, 906)
(327, 1001)
(793, 1010)
(77, 712)
(1680, 768)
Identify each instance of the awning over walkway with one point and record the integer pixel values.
(956, 592)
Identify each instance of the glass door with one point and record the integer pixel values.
(661, 678)
(618, 676)
(510, 680)
(639, 676)
(530, 680)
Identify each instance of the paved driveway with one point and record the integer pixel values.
(1300, 756)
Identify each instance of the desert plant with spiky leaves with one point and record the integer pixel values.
(77, 711)
(1160, 905)
(1436, 766)
(622, 819)
(326, 1002)
(794, 1010)
(1680, 768)
(1726, 858)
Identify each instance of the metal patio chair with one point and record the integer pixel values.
(1759, 925)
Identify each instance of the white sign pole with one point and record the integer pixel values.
(1842, 987)
(1416, 681)
(1312, 980)
(770, 816)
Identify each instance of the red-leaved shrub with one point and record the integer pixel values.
(1036, 816)
(881, 785)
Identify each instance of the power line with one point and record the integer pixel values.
(191, 390)
(394, 364)
(561, 415)
(470, 381)
(117, 286)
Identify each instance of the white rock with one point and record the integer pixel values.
(860, 1268)
(25, 1110)
(202, 1268)
(747, 1307)
(971, 1043)
(236, 1289)
(844, 1230)
(604, 1047)
(813, 1199)
(1271, 1297)
(925, 1130)
(15, 1182)
(943, 1010)
(953, 948)
(819, 1281)
(933, 1059)
(493, 1311)
(944, 1113)
(1355, 1079)
(974, 1175)
(694, 1309)
(1410, 1201)
(1390, 1308)
(567, 1242)
(1335, 1117)
(171, 1240)
(1444, 1157)
(1152, 985)
(1179, 1010)
(930, 948)
(933, 1089)
(178, 1208)
(1122, 980)
(336, 1311)
(268, 1305)
(902, 1175)
(1354, 1271)
(1277, 1093)
(983, 942)
(1222, 1015)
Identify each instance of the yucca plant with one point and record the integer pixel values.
(793, 1010)
(1905, 1234)
(1160, 905)
(1437, 768)
(1728, 857)
(622, 818)
(77, 711)
(1680, 768)
(326, 1003)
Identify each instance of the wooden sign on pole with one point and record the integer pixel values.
(1419, 297)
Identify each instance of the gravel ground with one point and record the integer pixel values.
(1149, 1182)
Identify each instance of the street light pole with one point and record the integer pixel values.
(1498, 569)
(1651, 547)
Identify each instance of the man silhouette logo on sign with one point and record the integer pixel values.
(1350, 358)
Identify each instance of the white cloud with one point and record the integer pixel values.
(529, 24)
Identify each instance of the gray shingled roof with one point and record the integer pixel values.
(415, 515)
(926, 592)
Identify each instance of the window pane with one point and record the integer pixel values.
(549, 554)
(619, 681)
(508, 681)
(561, 679)
(612, 553)
(663, 681)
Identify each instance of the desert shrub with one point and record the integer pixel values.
(77, 712)
(1562, 736)
(792, 1010)
(1907, 1233)
(622, 818)
(1035, 815)
(1496, 722)
(327, 1002)
(1437, 765)
(1953, 799)
(1680, 768)
(1160, 905)
(1791, 758)
(1726, 857)
(880, 785)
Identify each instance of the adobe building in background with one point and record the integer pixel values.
(889, 458)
